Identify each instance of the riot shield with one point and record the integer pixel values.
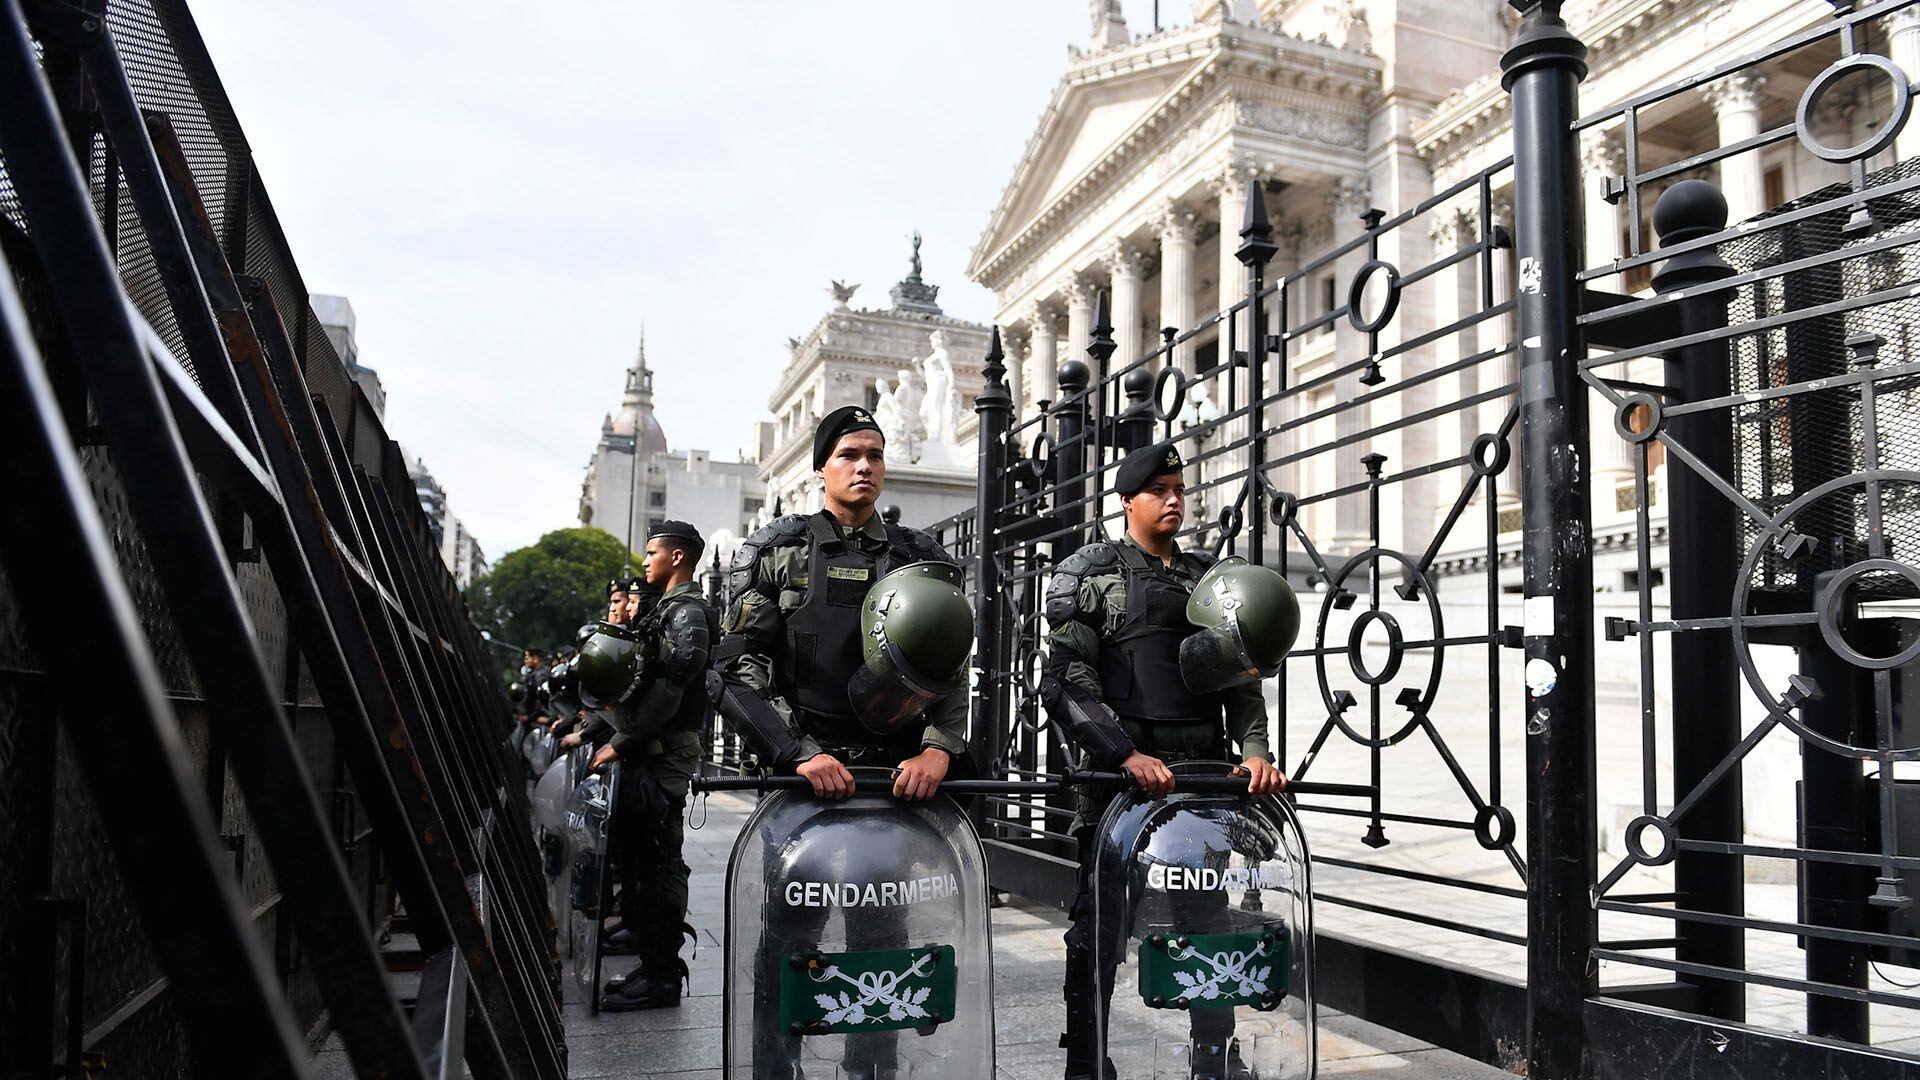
(539, 749)
(857, 942)
(1203, 936)
(556, 855)
(589, 820)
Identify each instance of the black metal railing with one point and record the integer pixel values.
(1416, 457)
(287, 715)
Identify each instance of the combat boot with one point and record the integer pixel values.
(657, 987)
(1212, 1061)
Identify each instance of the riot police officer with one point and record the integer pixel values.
(793, 637)
(1114, 680)
(617, 602)
(655, 704)
(795, 678)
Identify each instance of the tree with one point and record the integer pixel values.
(539, 596)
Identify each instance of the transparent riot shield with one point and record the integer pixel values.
(857, 942)
(550, 796)
(1203, 936)
(589, 820)
(539, 749)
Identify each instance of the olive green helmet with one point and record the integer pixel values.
(1248, 618)
(608, 667)
(916, 632)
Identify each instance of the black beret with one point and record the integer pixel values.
(618, 584)
(681, 531)
(1137, 469)
(634, 584)
(841, 421)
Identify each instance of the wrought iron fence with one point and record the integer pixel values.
(1415, 454)
(218, 578)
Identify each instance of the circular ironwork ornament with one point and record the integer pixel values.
(1828, 614)
(1396, 643)
(1881, 137)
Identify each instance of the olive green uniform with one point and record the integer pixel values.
(657, 734)
(1126, 661)
(1073, 655)
(769, 583)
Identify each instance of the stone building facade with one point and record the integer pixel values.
(1135, 181)
(850, 357)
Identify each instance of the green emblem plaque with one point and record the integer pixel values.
(883, 990)
(1204, 971)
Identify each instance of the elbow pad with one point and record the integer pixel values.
(1088, 723)
(754, 719)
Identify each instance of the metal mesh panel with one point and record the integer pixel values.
(1773, 436)
(161, 84)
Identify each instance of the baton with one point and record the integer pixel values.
(1225, 784)
(875, 785)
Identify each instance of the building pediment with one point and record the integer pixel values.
(1117, 106)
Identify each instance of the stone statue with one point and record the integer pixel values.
(908, 393)
(893, 422)
(914, 274)
(940, 411)
(841, 292)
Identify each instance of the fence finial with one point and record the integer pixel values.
(1101, 345)
(1256, 233)
(994, 391)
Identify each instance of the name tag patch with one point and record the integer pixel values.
(849, 573)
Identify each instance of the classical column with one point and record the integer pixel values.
(1903, 44)
(1451, 231)
(1833, 123)
(1230, 190)
(1127, 266)
(1078, 290)
(1736, 105)
(1015, 339)
(1603, 157)
(1043, 337)
(1501, 331)
(1175, 227)
(1348, 199)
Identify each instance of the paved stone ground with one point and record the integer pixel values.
(684, 1043)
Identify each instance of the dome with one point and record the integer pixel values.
(636, 408)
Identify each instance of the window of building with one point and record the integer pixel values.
(657, 499)
(873, 397)
(751, 506)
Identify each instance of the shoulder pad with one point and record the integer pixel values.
(783, 531)
(1200, 559)
(925, 548)
(688, 643)
(1063, 592)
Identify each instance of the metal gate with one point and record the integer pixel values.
(1419, 452)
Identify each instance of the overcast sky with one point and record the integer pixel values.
(506, 191)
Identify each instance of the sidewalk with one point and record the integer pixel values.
(684, 1043)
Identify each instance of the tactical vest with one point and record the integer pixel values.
(819, 649)
(1140, 665)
